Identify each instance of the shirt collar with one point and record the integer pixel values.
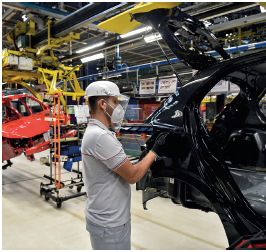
(98, 123)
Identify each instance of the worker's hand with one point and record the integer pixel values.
(158, 147)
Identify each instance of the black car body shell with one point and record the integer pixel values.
(208, 171)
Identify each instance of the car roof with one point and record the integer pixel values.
(14, 97)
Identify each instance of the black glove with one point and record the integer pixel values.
(158, 147)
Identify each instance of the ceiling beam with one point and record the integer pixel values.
(35, 8)
(201, 8)
(12, 5)
(257, 18)
(7, 15)
(237, 6)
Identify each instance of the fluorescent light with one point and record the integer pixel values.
(112, 76)
(91, 47)
(155, 37)
(152, 38)
(93, 57)
(183, 73)
(136, 32)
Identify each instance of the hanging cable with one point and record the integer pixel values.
(169, 61)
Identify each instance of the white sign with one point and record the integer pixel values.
(167, 85)
(25, 63)
(82, 113)
(147, 86)
(221, 86)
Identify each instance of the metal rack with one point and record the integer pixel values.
(52, 189)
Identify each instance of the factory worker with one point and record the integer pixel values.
(107, 172)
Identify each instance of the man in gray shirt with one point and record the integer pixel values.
(107, 172)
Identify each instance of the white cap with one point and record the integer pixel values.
(102, 88)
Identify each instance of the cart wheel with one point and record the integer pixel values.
(59, 204)
(47, 198)
(79, 189)
(71, 187)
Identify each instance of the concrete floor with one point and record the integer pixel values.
(30, 222)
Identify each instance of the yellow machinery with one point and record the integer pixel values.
(24, 63)
(122, 22)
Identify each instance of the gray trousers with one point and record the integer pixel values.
(104, 238)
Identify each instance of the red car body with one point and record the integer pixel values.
(24, 129)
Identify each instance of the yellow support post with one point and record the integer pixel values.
(70, 82)
(53, 85)
(48, 24)
(239, 35)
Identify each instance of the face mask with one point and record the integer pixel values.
(117, 116)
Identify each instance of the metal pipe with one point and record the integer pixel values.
(72, 196)
(42, 8)
(65, 109)
(78, 142)
(137, 71)
(74, 184)
(70, 49)
(51, 151)
(105, 65)
(105, 58)
(117, 51)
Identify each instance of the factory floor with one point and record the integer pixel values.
(30, 222)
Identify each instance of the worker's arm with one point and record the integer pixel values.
(133, 173)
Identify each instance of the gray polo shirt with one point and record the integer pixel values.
(108, 202)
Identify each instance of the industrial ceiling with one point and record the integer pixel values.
(227, 20)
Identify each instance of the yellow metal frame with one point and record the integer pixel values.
(67, 75)
(25, 85)
(43, 75)
(121, 23)
(56, 42)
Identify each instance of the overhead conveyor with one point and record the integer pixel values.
(84, 16)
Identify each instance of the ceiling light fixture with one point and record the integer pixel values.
(90, 47)
(152, 38)
(93, 57)
(148, 28)
(111, 76)
(155, 37)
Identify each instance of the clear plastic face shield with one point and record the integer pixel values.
(119, 111)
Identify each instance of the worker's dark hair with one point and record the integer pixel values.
(93, 100)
